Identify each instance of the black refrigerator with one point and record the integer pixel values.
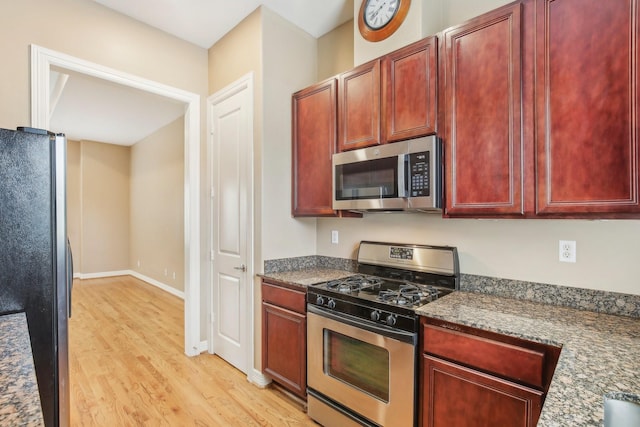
(36, 270)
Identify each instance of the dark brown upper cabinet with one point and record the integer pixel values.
(539, 108)
(359, 107)
(390, 98)
(587, 107)
(409, 91)
(481, 85)
(537, 104)
(314, 142)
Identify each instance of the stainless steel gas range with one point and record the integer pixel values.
(362, 334)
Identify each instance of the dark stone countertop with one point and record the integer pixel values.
(305, 277)
(19, 396)
(600, 352)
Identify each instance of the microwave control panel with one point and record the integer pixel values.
(419, 174)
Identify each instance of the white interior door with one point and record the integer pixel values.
(231, 182)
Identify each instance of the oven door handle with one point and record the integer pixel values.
(396, 334)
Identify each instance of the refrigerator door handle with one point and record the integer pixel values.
(69, 273)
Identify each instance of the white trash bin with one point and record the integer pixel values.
(621, 410)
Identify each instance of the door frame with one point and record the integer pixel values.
(245, 83)
(42, 60)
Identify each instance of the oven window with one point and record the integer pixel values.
(357, 363)
(372, 179)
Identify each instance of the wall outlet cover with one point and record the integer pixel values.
(567, 251)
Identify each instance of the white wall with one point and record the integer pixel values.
(290, 64)
(607, 251)
(156, 213)
(90, 31)
(104, 211)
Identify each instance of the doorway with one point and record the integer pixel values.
(42, 60)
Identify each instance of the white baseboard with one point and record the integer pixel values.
(154, 282)
(258, 378)
(149, 280)
(102, 274)
(203, 347)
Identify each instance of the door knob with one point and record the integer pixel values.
(242, 268)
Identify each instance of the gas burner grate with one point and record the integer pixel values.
(408, 294)
(394, 297)
(353, 283)
(416, 291)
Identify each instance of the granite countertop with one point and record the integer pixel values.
(600, 352)
(305, 277)
(19, 395)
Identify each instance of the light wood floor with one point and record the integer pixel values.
(128, 368)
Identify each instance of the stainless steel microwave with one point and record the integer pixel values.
(400, 176)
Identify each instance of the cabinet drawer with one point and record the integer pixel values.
(506, 360)
(283, 297)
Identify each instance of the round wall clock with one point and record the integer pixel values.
(378, 19)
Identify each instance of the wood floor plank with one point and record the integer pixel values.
(128, 368)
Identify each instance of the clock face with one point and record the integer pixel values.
(378, 13)
(378, 19)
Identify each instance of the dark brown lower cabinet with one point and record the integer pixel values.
(456, 396)
(284, 337)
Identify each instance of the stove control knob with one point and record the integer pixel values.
(331, 304)
(391, 320)
(375, 315)
(319, 300)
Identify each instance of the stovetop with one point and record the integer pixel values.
(391, 292)
(374, 299)
(392, 281)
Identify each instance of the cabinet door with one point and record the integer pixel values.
(587, 106)
(359, 107)
(284, 337)
(481, 80)
(457, 396)
(314, 142)
(409, 91)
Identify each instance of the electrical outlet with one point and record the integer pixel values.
(138, 263)
(334, 237)
(567, 251)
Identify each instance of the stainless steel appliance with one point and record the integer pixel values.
(362, 334)
(403, 176)
(35, 259)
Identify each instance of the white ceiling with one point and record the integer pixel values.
(93, 109)
(88, 108)
(204, 22)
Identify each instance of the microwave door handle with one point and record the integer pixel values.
(403, 184)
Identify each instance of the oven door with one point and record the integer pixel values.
(360, 367)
